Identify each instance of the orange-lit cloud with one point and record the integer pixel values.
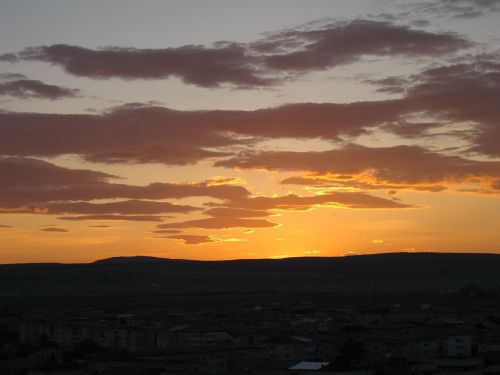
(397, 165)
(31, 183)
(338, 199)
(236, 212)
(113, 217)
(54, 229)
(121, 207)
(220, 223)
(191, 239)
(167, 231)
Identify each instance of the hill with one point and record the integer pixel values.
(143, 275)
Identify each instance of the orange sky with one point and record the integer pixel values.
(328, 131)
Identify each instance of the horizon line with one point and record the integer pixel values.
(346, 255)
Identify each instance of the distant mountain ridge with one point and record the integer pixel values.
(139, 275)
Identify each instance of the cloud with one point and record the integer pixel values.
(357, 200)
(131, 133)
(11, 76)
(412, 129)
(113, 217)
(5, 226)
(121, 207)
(241, 213)
(383, 165)
(455, 8)
(235, 212)
(28, 88)
(390, 85)
(167, 231)
(30, 196)
(265, 62)
(223, 180)
(318, 48)
(19, 172)
(466, 92)
(141, 134)
(198, 65)
(191, 239)
(219, 223)
(36, 186)
(366, 182)
(54, 229)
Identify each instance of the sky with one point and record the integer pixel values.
(232, 129)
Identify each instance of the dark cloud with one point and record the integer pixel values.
(19, 172)
(347, 42)
(140, 134)
(199, 65)
(390, 85)
(190, 239)
(460, 93)
(54, 229)
(5, 226)
(9, 57)
(466, 92)
(28, 88)
(126, 134)
(262, 63)
(463, 92)
(397, 165)
(411, 129)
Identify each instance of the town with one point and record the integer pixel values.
(271, 339)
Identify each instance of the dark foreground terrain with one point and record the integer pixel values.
(372, 275)
(434, 314)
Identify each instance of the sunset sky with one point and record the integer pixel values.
(248, 129)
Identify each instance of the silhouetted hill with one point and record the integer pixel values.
(149, 275)
(132, 260)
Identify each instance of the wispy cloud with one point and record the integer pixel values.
(29, 88)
